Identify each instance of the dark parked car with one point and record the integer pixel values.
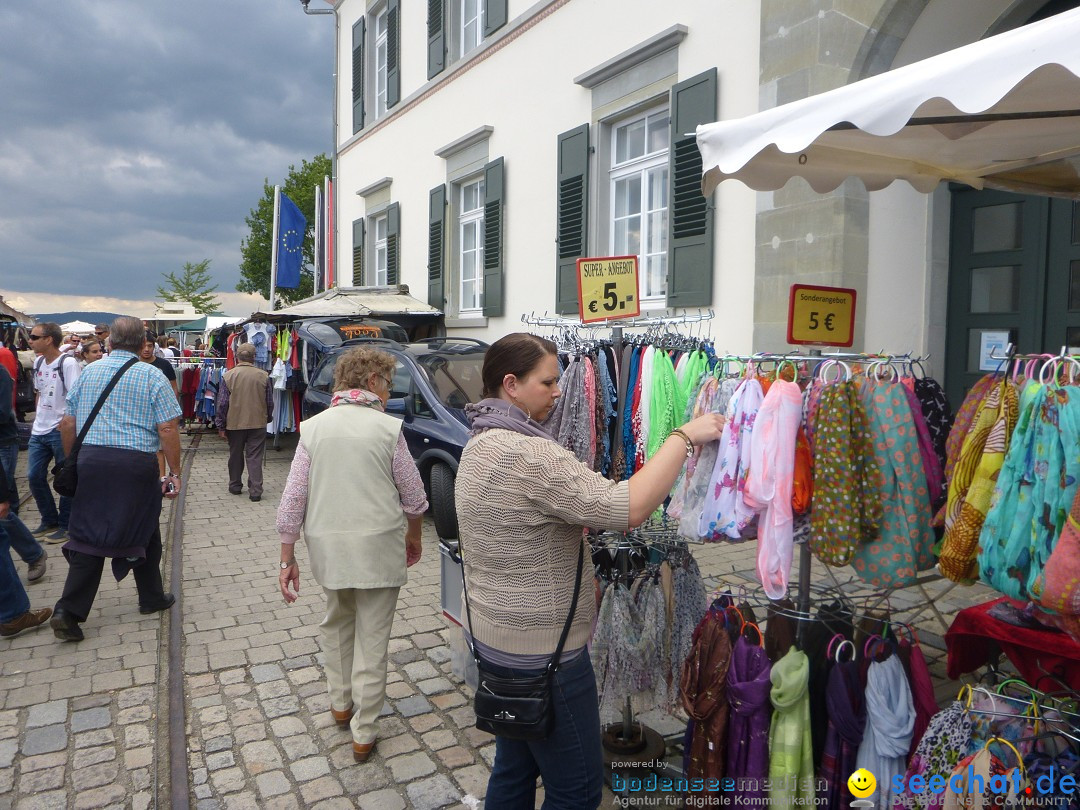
(434, 381)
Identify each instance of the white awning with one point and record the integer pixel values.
(1003, 112)
(354, 302)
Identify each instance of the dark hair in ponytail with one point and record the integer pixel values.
(517, 353)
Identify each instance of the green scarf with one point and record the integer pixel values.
(791, 754)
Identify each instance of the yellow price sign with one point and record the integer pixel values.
(821, 316)
(608, 288)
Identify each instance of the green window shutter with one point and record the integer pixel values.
(573, 216)
(393, 240)
(436, 38)
(393, 53)
(358, 75)
(690, 219)
(358, 253)
(436, 246)
(494, 16)
(494, 203)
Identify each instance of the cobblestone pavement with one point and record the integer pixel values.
(86, 725)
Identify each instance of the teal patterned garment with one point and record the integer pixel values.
(1034, 493)
(903, 546)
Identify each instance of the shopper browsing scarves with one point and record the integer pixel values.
(522, 502)
(356, 492)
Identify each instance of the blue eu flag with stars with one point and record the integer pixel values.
(292, 226)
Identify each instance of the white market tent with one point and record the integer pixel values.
(78, 327)
(1003, 113)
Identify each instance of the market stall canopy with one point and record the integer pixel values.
(1003, 113)
(354, 302)
(78, 327)
(205, 323)
(9, 314)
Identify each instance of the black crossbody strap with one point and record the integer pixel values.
(553, 664)
(101, 401)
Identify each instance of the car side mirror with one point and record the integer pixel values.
(398, 406)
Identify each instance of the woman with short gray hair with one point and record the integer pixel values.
(356, 492)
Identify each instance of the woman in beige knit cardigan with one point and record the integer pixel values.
(522, 501)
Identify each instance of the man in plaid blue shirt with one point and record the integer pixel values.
(116, 510)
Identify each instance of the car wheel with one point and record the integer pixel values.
(442, 501)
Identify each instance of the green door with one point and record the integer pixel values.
(1014, 277)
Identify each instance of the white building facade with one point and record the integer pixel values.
(484, 145)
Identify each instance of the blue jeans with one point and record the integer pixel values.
(43, 451)
(9, 457)
(13, 599)
(570, 761)
(24, 543)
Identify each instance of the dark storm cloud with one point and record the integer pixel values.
(135, 134)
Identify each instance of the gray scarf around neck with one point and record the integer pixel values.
(498, 413)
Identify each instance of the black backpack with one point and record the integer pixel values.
(24, 387)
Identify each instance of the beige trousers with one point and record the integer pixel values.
(355, 635)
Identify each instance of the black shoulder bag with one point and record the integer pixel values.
(519, 708)
(66, 474)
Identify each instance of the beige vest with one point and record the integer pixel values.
(354, 525)
(247, 397)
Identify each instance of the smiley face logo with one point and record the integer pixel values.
(861, 783)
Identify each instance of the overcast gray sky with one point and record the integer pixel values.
(135, 136)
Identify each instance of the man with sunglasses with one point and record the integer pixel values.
(101, 332)
(245, 404)
(55, 374)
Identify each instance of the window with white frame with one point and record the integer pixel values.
(472, 24)
(471, 246)
(639, 198)
(380, 251)
(380, 64)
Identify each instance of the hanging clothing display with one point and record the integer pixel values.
(937, 751)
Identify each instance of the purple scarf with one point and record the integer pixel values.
(847, 719)
(498, 413)
(748, 725)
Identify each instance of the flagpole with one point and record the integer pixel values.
(274, 246)
(319, 237)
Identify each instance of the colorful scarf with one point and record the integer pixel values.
(965, 417)
(1035, 491)
(936, 754)
(357, 396)
(725, 514)
(972, 484)
(847, 507)
(791, 755)
(770, 480)
(903, 546)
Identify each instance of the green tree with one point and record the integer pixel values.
(255, 250)
(193, 284)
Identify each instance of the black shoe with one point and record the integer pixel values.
(255, 498)
(236, 492)
(167, 602)
(65, 626)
